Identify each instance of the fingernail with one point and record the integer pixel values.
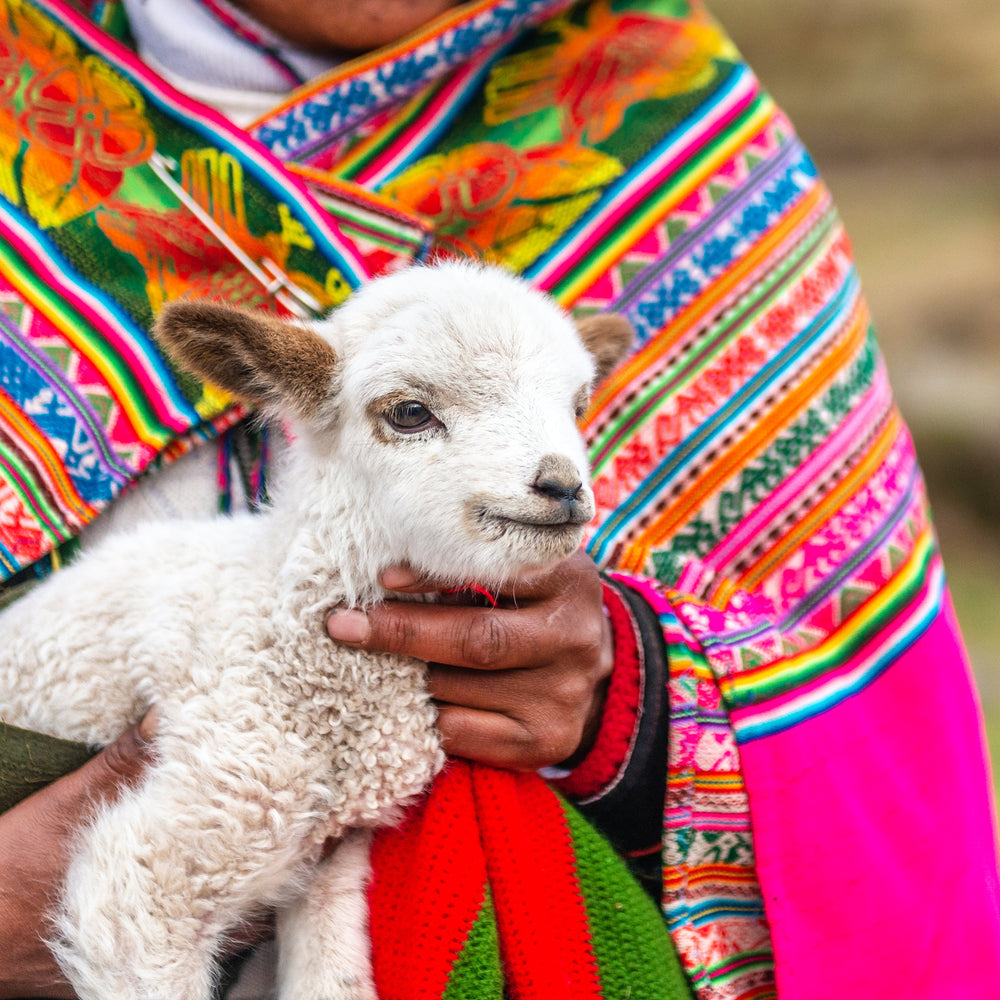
(397, 576)
(146, 730)
(348, 625)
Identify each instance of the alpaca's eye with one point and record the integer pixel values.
(412, 416)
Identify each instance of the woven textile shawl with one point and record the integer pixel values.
(115, 197)
(755, 482)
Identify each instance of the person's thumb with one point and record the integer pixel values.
(120, 764)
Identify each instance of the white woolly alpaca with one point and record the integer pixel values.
(434, 421)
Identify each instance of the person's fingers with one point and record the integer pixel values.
(487, 737)
(405, 580)
(526, 693)
(483, 689)
(479, 638)
(530, 585)
(547, 622)
(551, 708)
(123, 762)
(520, 685)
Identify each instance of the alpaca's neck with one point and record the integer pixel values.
(334, 543)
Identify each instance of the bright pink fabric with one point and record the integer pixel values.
(874, 833)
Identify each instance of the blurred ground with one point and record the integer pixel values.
(899, 102)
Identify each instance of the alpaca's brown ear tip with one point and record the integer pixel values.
(609, 337)
(177, 320)
(256, 357)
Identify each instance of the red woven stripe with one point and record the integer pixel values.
(542, 920)
(428, 885)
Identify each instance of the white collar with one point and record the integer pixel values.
(191, 48)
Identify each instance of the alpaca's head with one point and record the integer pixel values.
(441, 401)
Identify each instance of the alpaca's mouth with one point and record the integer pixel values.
(548, 526)
(553, 526)
(534, 527)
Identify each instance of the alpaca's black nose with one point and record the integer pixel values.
(557, 478)
(558, 490)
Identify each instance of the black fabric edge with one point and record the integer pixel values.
(630, 812)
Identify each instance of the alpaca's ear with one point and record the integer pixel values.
(258, 358)
(608, 337)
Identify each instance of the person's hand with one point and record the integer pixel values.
(36, 840)
(521, 685)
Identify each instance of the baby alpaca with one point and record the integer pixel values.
(434, 420)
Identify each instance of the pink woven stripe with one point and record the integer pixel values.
(872, 849)
(160, 394)
(817, 468)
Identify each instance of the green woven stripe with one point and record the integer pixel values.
(762, 475)
(634, 952)
(62, 313)
(477, 974)
(23, 481)
(400, 126)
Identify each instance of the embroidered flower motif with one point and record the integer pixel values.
(85, 127)
(506, 204)
(10, 134)
(595, 73)
(29, 36)
(10, 76)
(176, 254)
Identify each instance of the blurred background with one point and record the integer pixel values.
(899, 103)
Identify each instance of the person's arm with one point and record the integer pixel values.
(36, 838)
(620, 784)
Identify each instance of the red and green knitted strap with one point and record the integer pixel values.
(496, 887)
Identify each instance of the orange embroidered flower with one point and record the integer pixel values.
(29, 35)
(10, 139)
(596, 72)
(85, 127)
(508, 205)
(10, 76)
(180, 255)
(29, 41)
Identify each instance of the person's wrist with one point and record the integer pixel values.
(595, 714)
(605, 747)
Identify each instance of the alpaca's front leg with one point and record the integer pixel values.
(129, 924)
(161, 876)
(324, 947)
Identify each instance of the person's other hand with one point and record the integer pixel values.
(521, 685)
(36, 839)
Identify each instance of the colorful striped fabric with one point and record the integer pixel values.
(828, 829)
(94, 238)
(748, 456)
(498, 888)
